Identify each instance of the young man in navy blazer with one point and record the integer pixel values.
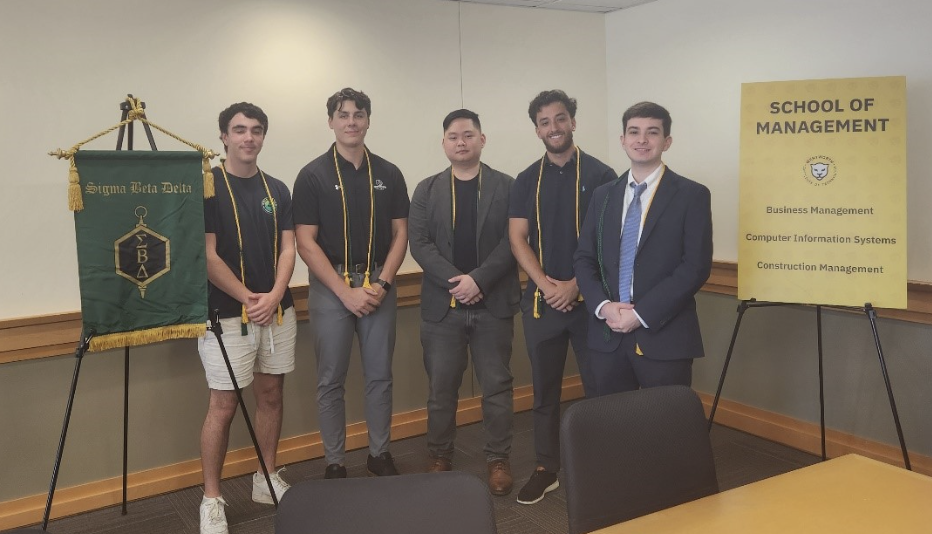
(646, 333)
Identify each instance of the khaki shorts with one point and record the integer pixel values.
(264, 349)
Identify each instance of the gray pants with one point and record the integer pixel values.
(489, 342)
(332, 330)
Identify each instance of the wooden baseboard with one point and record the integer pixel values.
(85, 497)
(806, 436)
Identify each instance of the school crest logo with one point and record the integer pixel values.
(820, 170)
(380, 186)
(269, 205)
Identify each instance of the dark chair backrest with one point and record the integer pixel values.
(630, 454)
(426, 503)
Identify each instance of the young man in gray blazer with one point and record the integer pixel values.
(458, 231)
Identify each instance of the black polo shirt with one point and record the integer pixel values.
(557, 208)
(317, 201)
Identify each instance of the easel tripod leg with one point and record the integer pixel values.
(742, 307)
(872, 317)
(79, 356)
(218, 331)
(821, 381)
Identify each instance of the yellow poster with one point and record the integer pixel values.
(822, 200)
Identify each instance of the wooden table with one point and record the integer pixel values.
(850, 494)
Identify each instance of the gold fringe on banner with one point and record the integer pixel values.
(149, 335)
(136, 112)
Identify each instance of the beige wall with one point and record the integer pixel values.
(67, 65)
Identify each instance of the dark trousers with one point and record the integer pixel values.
(445, 343)
(625, 370)
(548, 339)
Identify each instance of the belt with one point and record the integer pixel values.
(359, 268)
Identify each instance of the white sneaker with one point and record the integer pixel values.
(213, 518)
(260, 488)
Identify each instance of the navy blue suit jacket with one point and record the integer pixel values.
(673, 261)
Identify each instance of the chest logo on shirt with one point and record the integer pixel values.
(267, 205)
(380, 186)
(336, 187)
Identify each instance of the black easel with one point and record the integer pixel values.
(218, 332)
(871, 316)
(79, 356)
(128, 128)
(85, 343)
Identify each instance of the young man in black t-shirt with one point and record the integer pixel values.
(250, 260)
(351, 223)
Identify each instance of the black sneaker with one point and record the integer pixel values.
(540, 483)
(381, 465)
(335, 471)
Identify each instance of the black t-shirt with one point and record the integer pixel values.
(318, 201)
(557, 208)
(465, 252)
(465, 255)
(258, 233)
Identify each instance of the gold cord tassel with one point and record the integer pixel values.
(209, 191)
(365, 282)
(245, 319)
(280, 315)
(537, 303)
(75, 200)
(452, 302)
(346, 279)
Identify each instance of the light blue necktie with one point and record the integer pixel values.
(629, 243)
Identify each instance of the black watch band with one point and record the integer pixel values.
(385, 285)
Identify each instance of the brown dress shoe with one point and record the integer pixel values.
(500, 481)
(439, 464)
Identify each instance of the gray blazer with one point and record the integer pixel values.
(430, 233)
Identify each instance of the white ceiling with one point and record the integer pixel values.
(593, 6)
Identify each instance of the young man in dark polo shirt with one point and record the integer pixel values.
(350, 214)
(548, 203)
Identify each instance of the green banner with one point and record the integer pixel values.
(140, 241)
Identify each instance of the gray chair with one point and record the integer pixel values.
(630, 454)
(426, 503)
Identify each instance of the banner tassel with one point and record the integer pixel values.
(209, 190)
(75, 200)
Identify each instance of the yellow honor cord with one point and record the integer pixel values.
(540, 236)
(453, 211)
(239, 238)
(346, 238)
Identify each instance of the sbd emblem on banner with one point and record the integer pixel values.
(142, 255)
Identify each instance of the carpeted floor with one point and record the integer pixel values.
(740, 459)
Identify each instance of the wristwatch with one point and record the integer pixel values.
(385, 285)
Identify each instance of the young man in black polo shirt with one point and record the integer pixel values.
(548, 203)
(350, 214)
